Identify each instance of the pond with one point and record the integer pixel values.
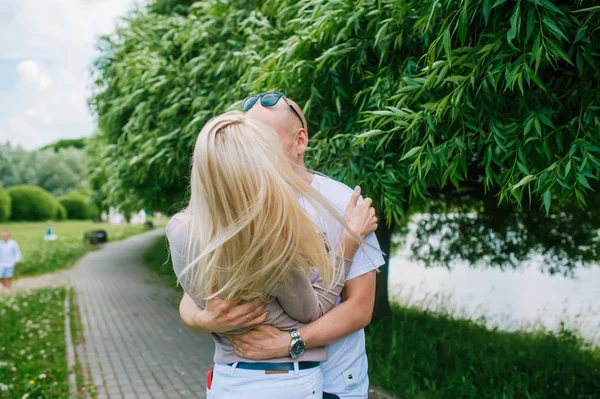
(525, 298)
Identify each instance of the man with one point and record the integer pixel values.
(9, 257)
(341, 329)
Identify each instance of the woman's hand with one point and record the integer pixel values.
(361, 217)
(361, 220)
(220, 315)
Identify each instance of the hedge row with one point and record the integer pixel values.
(32, 203)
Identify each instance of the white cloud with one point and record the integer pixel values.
(51, 44)
(31, 73)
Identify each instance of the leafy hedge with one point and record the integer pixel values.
(61, 214)
(32, 203)
(78, 206)
(5, 205)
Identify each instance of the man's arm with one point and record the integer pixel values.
(354, 313)
(17, 257)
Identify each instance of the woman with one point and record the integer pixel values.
(245, 235)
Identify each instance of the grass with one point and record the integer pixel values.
(421, 354)
(32, 345)
(157, 259)
(40, 256)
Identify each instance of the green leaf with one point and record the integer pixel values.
(462, 26)
(486, 11)
(527, 179)
(583, 181)
(547, 198)
(589, 9)
(554, 28)
(411, 152)
(446, 41)
(559, 51)
(515, 25)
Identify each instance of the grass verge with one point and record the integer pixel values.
(158, 260)
(32, 345)
(420, 354)
(40, 256)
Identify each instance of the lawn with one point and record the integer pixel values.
(40, 256)
(157, 259)
(32, 345)
(419, 354)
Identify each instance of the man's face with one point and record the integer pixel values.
(5, 235)
(269, 118)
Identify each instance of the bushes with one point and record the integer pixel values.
(78, 206)
(32, 203)
(61, 214)
(5, 205)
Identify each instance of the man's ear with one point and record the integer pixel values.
(301, 141)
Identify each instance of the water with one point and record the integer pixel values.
(509, 299)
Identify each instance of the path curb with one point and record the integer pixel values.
(70, 348)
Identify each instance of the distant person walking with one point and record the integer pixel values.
(10, 255)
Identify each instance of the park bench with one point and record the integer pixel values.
(95, 237)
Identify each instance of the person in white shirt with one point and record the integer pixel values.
(10, 255)
(341, 330)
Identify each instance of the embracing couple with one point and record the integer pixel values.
(276, 262)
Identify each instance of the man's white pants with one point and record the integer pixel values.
(230, 382)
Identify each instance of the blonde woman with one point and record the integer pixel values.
(245, 235)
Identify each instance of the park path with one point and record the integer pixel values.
(134, 343)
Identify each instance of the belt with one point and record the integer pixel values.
(275, 366)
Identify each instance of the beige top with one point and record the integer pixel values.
(289, 310)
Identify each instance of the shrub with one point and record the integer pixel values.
(61, 214)
(32, 203)
(77, 206)
(4, 205)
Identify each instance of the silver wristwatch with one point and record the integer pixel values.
(296, 345)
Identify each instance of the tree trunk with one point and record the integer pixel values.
(382, 304)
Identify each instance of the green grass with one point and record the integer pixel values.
(419, 354)
(40, 256)
(157, 259)
(32, 345)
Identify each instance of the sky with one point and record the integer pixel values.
(46, 49)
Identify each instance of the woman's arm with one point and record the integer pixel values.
(309, 301)
(306, 302)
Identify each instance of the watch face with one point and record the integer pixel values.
(297, 348)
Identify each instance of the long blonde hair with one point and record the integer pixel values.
(247, 229)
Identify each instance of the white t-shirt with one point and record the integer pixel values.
(345, 373)
(9, 253)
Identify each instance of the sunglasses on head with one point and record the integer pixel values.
(269, 99)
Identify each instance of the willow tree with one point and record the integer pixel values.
(489, 106)
(165, 72)
(480, 107)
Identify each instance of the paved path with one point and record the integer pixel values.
(135, 345)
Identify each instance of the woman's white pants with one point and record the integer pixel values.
(231, 382)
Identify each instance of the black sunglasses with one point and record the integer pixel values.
(269, 99)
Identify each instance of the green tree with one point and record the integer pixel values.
(483, 106)
(57, 170)
(66, 143)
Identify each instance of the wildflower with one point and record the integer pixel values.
(3, 387)
(25, 396)
(21, 352)
(31, 382)
(42, 376)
